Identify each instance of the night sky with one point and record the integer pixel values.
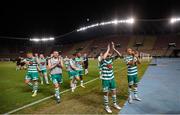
(52, 18)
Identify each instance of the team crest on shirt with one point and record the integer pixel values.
(30, 62)
(42, 63)
(109, 66)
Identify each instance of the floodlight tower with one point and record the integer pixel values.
(41, 41)
(174, 20)
(138, 44)
(170, 45)
(115, 22)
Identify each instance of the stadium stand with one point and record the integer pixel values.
(155, 45)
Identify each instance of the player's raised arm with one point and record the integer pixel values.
(136, 55)
(115, 49)
(128, 58)
(106, 53)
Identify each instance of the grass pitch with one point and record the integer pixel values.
(15, 94)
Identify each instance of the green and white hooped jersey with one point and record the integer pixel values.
(55, 70)
(78, 62)
(42, 63)
(66, 62)
(32, 66)
(106, 66)
(70, 63)
(131, 69)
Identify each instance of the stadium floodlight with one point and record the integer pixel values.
(44, 39)
(87, 27)
(51, 38)
(35, 39)
(128, 21)
(174, 20)
(115, 22)
(41, 39)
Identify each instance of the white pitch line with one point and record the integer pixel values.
(46, 98)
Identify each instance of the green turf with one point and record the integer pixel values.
(14, 93)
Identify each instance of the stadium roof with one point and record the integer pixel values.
(22, 19)
(140, 28)
(150, 27)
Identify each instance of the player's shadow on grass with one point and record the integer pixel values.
(25, 88)
(46, 90)
(122, 97)
(91, 99)
(65, 85)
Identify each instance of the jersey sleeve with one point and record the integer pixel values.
(126, 60)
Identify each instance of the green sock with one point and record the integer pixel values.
(106, 101)
(30, 85)
(135, 91)
(130, 91)
(41, 78)
(114, 99)
(35, 87)
(57, 92)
